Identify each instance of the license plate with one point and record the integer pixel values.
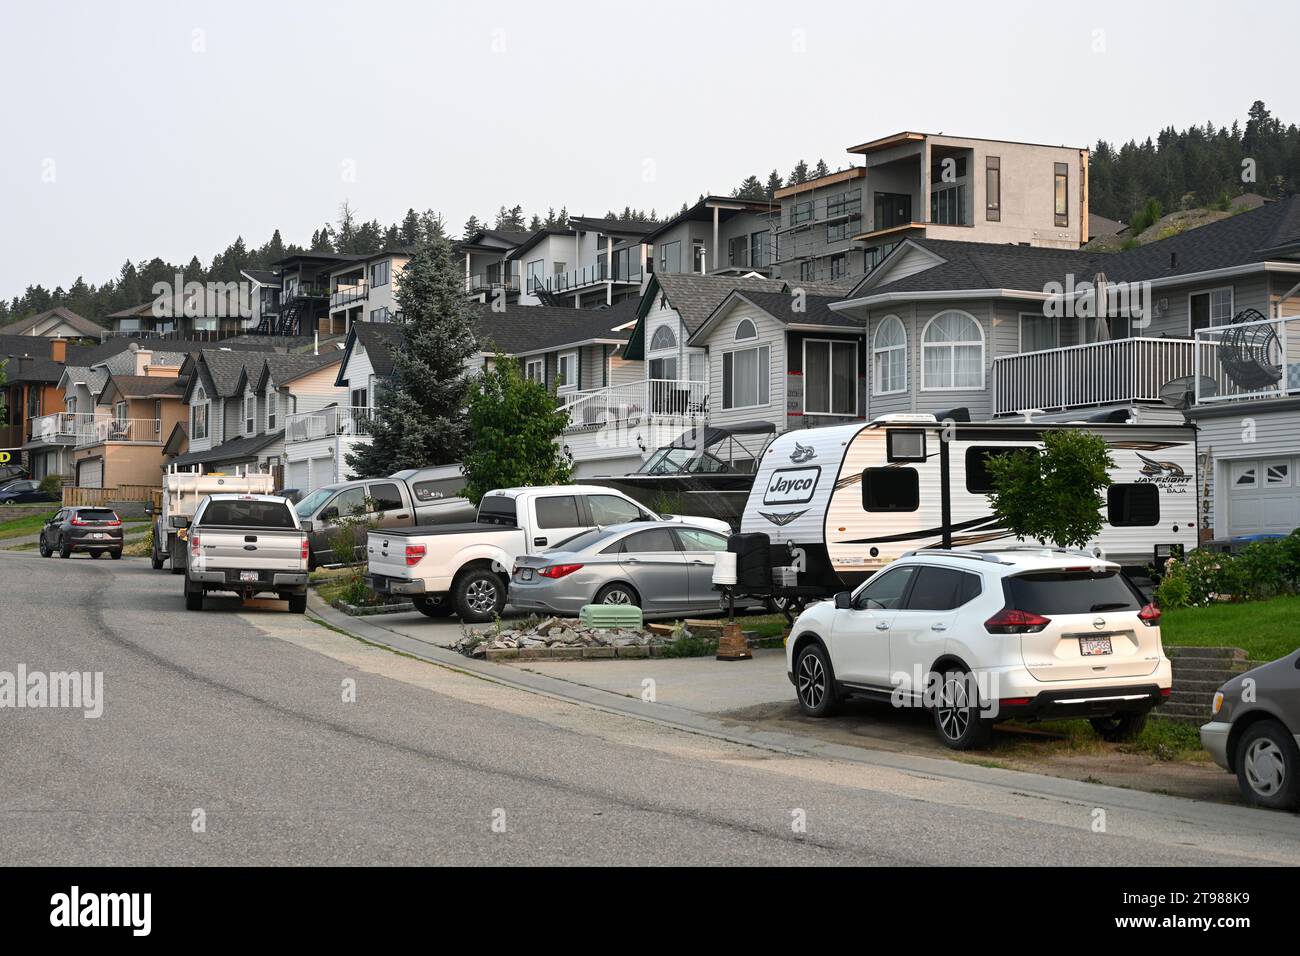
(1094, 646)
(98, 534)
(248, 575)
(525, 574)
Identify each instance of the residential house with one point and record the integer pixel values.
(719, 235)
(590, 262)
(305, 292)
(241, 407)
(58, 322)
(488, 268)
(33, 367)
(364, 289)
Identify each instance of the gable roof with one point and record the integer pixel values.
(816, 313)
(82, 325)
(693, 297)
(138, 386)
(528, 329)
(282, 369)
(233, 450)
(93, 378)
(379, 340)
(223, 373)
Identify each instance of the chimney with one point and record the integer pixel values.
(59, 350)
(142, 359)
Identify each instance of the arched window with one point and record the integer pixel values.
(746, 329)
(889, 357)
(952, 352)
(663, 339)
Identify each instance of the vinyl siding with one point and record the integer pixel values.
(722, 339)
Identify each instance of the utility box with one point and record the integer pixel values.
(605, 617)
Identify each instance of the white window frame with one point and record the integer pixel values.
(1238, 470)
(666, 327)
(535, 363)
(1209, 294)
(925, 385)
(764, 383)
(1037, 317)
(200, 403)
(272, 407)
(1273, 463)
(878, 351)
(830, 392)
(745, 323)
(120, 411)
(560, 359)
(250, 421)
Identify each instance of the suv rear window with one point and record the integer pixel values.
(96, 514)
(1070, 592)
(248, 514)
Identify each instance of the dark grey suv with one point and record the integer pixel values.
(95, 531)
(1255, 732)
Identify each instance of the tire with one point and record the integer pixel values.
(96, 554)
(433, 607)
(1119, 727)
(956, 711)
(297, 604)
(193, 598)
(814, 682)
(623, 595)
(155, 557)
(479, 596)
(116, 555)
(178, 557)
(1268, 766)
(44, 548)
(65, 551)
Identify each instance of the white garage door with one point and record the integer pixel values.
(90, 473)
(299, 476)
(1263, 496)
(322, 472)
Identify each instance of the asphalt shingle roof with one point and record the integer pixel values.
(780, 305)
(223, 372)
(524, 329)
(380, 340)
(695, 296)
(231, 450)
(81, 324)
(285, 368)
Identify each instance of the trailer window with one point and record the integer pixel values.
(978, 479)
(890, 489)
(1133, 505)
(905, 444)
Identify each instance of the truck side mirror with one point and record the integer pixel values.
(180, 521)
(329, 514)
(307, 526)
(843, 600)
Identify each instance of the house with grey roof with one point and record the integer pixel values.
(718, 235)
(364, 289)
(590, 261)
(58, 322)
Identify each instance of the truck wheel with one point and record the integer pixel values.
(297, 604)
(433, 607)
(479, 596)
(178, 557)
(193, 598)
(155, 558)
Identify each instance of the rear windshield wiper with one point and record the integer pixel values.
(1112, 606)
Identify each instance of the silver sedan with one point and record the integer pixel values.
(666, 570)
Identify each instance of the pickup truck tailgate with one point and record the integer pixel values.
(261, 550)
(433, 555)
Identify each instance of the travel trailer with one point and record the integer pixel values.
(843, 501)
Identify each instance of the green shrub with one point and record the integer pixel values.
(52, 484)
(1261, 570)
(1256, 571)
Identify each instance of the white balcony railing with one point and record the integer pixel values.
(633, 402)
(59, 428)
(93, 430)
(327, 423)
(1259, 359)
(1077, 376)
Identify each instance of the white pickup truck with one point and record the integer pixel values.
(465, 568)
(247, 544)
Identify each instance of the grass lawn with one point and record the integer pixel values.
(1266, 630)
(1160, 739)
(28, 524)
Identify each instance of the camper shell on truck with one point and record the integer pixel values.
(181, 494)
(841, 502)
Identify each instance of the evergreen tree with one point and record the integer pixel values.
(420, 413)
(750, 188)
(797, 175)
(773, 183)
(472, 225)
(821, 169)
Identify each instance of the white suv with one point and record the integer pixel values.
(979, 636)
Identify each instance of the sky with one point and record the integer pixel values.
(141, 129)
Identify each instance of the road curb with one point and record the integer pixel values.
(1195, 813)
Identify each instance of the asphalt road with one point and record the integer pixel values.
(237, 717)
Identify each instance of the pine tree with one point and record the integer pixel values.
(773, 183)
(472, 226)
(750, 188)
(798, 175)
(821, 169)
(420, 413)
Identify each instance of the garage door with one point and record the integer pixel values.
(299, 476)
(90, 473)
(322, 471)
(1263, 496)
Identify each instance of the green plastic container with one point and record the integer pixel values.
(608, 616)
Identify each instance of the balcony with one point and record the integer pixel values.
(490, 282)
(345, 294)
(577, 279)
(59, 428)
(327, 423)
(1248, 360)
(94, 430)
(1078, 376)
(634, 402)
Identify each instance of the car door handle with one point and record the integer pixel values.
(699, 562)
(939, 627)
(882, 625)
(539, 542)
(631, 561)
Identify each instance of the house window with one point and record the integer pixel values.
(119, 411)
(697, 258)
(199, 416)
(842, 230)
(250, 413)
(745, 329)
(381, 273)
(738, 251)
(1244, 475)
(1039, 332)
(663, 369)
(360, 398)
(745, 377)
(272, 408)
(844, 204)
(568, 371)
(663, 339)
(993, 189)
(1208, 309)
(760, 255)
(948, 205)
(839, 266)
(535, 273)
(535, 370)
(1277, 473)
(807, 271)
(891, 489)
(830, 375)
(379, 315)
(670, 257)
(889, 357)
(952, 352)
(1062, 186)
(877, 254)
(801, 212)
(157, 416)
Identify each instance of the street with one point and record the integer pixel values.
(228, 737)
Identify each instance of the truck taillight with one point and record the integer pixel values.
(1011, 621)
(194, 545)
(559, 570)
(414, 554)
(303, 549)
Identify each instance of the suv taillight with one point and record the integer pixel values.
(78, 522)
(1011, 621)
(559, 570)
(414, 554)
(1149, 615)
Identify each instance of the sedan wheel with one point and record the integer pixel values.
(1265, 767)
(616, 595)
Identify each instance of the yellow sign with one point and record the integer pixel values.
(5, 457)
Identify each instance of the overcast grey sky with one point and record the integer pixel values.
(141, 128)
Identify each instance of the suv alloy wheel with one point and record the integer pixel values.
(957, 717)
